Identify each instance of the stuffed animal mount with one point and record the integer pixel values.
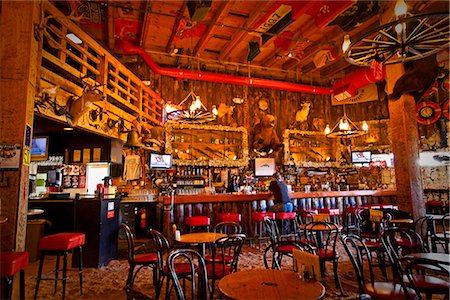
(301, 117)
(265, 139)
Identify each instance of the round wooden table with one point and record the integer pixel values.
(200, 238)
(269, 284)
(318, 227)
(402, 221)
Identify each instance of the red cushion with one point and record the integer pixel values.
(351, 210)
(12, 262)
(146, 258)
(180, 268)
(259, 216)
(325, 253)
(226, 258)
(285, 215)
(198, 221)
(286, 248)
(62, 241)
(435, 203)
(387, 290)
(229, 217)
(428, 283)
(219, 271)
(330, 211)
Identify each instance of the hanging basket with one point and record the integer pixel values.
(428, 112)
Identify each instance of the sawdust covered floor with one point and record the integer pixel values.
(108, 282)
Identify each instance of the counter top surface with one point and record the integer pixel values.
(267, 196)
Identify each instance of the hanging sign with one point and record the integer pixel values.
(365, 94)
(9, 156)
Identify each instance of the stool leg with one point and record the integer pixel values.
(41, 264)
(80, 268)
(64, 274)
(8, 287)
(22, 284)
(56, 273)
(260, 234)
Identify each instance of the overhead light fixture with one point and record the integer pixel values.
(196, 113)
(74, 38)
(345, 128)
(407, 38)
(68, 128)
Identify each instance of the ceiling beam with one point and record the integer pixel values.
(169, 45)
(220, 15)
(111, 29)
(239, 35)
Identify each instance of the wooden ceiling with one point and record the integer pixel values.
(296, 41)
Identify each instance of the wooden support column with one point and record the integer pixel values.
(404, 138)
(19, 57)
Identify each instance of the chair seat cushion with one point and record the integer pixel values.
(330, 211)
(12, 262)
(219, 270)
(285, 215)
(180, 268)
(428, 283)
(387, 290)
(259, 216)
(198, 221)
(285, 248)
(229, 217)
(372, 245)
(326, 254)
(62, 241)
(226, 258)
(146, 258)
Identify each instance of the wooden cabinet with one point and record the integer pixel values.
(207, 145)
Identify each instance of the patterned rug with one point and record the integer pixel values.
(108, 282)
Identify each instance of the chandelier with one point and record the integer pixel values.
(345, 128)
(409, 37)
(196, 113)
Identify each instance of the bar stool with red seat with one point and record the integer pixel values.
(57, 244)
(229, 217)
(195, 222)
(10, 263)
(290, 228)
(258, 218)
(305, 214)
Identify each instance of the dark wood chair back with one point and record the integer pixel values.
(283, 248)
(272, 230)
(227, 227)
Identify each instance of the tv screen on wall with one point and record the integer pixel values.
(160, 161)
(39, 148)
(264, 166)
(361, 156)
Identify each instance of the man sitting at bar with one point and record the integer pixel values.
(282, 202)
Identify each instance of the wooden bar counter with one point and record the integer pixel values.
(210, 205)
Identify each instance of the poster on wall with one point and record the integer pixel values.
(365, 94)
(71, 175)
(9, 156)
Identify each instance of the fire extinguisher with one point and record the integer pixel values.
(143, 218)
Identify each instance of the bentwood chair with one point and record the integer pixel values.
(324, 236)
(141, 260)
(225, 252)
(227, 227)
(398, 242)
(195, 270)
(281, 248)
(424, 226)
(182, 269)
(442, 234)
(361, 259)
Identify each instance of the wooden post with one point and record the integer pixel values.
(404, 138)
(19, 60)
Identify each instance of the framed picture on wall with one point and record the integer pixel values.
(76, 155)
(86, 155)
(97, 154)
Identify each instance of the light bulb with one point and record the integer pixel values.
(400, 8)
(214, 110)
(193, 107)
(197, 102)
(327, 129)
(399, 28)
(365, 126)
(289, 54)
(346, 44)
(343, 125)
(170, 108)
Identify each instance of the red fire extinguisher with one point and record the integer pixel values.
(143, 218)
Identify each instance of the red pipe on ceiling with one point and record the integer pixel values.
(352, 82)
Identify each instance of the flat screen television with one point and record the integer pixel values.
(39, 148)
(264, 166)
(361, 156)
(160, 161)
